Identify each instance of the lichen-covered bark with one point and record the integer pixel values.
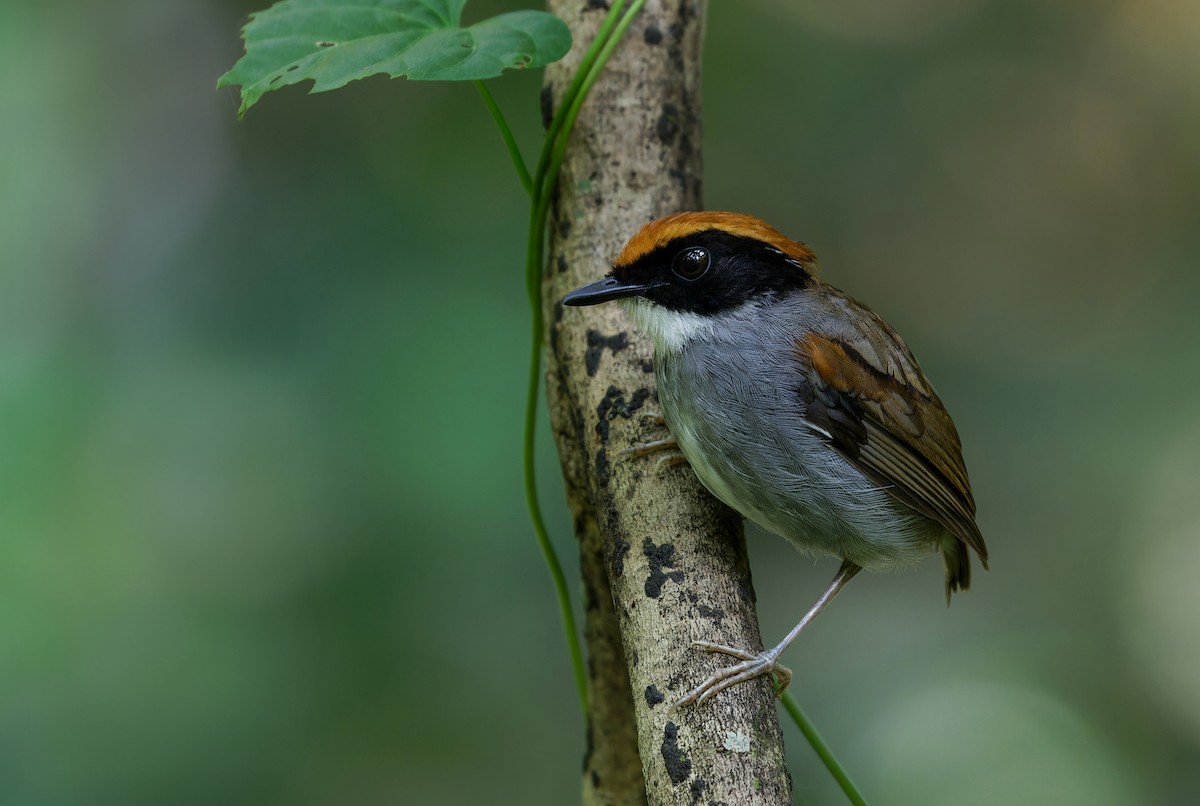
(663, 562)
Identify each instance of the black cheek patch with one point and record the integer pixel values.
(742, 269)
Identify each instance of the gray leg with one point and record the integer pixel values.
(768, 662)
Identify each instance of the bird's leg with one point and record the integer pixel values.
(667, 446)
(754, 665)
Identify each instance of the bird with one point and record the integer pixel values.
(796, 405)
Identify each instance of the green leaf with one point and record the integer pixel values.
(334, 42)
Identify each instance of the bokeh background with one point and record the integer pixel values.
(261, 533)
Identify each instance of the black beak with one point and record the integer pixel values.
(603, 290)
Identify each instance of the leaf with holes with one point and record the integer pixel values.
(334, 42)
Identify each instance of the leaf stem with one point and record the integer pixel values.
(818, 744)
(510, 142)
(585, 66)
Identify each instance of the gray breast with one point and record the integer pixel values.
(733, 401)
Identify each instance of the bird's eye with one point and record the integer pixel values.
(690, 264)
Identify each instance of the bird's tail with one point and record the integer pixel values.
(958, 565)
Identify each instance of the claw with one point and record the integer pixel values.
(647, 448)
(751, 667)
(712, 646)
(667, 446)
(671, 460)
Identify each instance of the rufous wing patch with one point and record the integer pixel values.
(895, 433)
(848, 374)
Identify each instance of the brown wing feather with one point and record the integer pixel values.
(870, 397)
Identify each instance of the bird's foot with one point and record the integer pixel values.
(751, 667)
(667, 448)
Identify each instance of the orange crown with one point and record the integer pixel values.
(662, 231)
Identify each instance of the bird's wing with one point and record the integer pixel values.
(866, 393)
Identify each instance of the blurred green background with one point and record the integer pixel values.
(261, 533)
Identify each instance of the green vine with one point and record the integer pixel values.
(822, 750)
(510, 142)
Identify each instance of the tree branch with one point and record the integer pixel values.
(663, 562)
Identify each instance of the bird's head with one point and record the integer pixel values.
(682, 272)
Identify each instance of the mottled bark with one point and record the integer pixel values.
(663, 562)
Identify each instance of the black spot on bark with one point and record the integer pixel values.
(660, 557)
(715, 613)
(652, 35)
(618, 560)
(638, 400)
(603, 471)
(547, 99)
(564, 228)
(647, 366)
(697, 789)
(595, 779)
(614, 405)
(679, 766)
(594, 4)
(653, 695)
(668, 124)
(596, 342)
(562, 263)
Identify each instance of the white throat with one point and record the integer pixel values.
(670, 330)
